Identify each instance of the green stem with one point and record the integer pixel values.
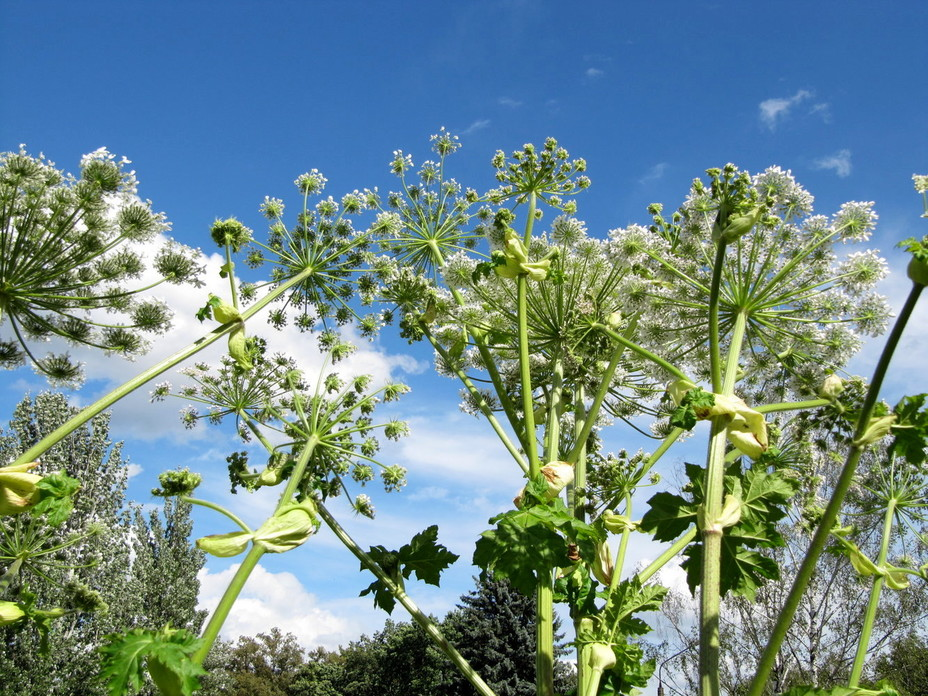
(479, 400)
(218, 508)
(643, 352)
(577, 502)
(846, 478)
(792, 405)
(544, 635)
(668, 555)
(211, 632)
(870, 614)
(589, 417)
(710, 585)
(50, 440)
(10, 573)
(715, 354)
(234, 589)
(425, 622)
(525, 373)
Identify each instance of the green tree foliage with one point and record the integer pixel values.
(264, 665)
(905, 665)
(143, 567)
(494, 628)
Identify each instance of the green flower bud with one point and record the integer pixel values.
(896, 579)
(739, 226)
(877, 429)
(291, 526)
(831, 388)
(10, 612)
(918, 272)
(238, 347)
(603, 567)
(223, 312)
(224, 545)
(617, 523)
(517, 263)
(232, 232)
(18, 489)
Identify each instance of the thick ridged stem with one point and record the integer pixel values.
(710, 585)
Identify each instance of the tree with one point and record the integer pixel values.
(144, 569)
(264, 665)
(905, 665)
(320, 675)
(494, 628)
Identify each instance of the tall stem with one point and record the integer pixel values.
(710, 586)
(870, 614)
(820, 538)
(140, 379)
(424, 621)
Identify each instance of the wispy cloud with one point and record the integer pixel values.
(839, 161)
(594, 73)
(510, 102)
(477, 125)
(773, 111)
(654, 173)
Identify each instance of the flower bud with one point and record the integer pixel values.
(918, 271)
(291, 526)
(10, 612)
(877, 428)
(224, 545)
(617, 523)
(831, 387)
(559, 475)
(18, 490)
(223, 312)
(603, 567)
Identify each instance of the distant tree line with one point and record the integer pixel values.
(493, 627)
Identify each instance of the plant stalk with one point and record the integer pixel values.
(870, 614)
(820, 538)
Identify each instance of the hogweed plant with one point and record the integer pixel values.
(737, 309)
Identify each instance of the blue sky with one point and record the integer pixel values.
(220, 104)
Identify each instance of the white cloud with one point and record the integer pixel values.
(510, 102)
(839, 161)
(133, 470)
(593, 73)
(654, 173)
(477, 125)
(276, 599)
(773, 111)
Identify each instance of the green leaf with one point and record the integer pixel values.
(423, 555)
(911, 428)
(426, 557)
(167, 654)
(578, 590)
(627, 599)
(684, 415)
(533, 540)
(669, 516)
(631, 671)
(55, 497)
